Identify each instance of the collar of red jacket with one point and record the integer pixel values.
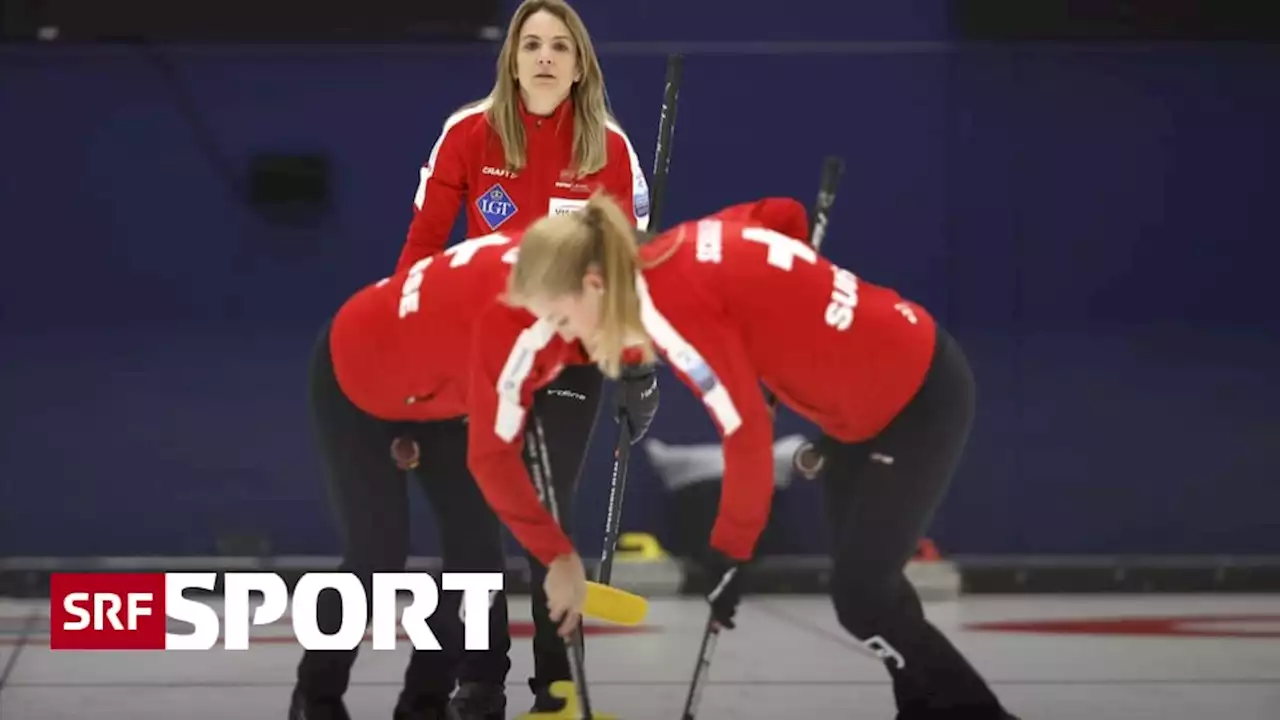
(562, 116)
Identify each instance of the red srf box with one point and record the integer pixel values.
(107, 611)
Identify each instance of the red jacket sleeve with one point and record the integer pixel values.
(747, 491)
(630, 189)
(442, 185)
(505, 354)
(718, 372)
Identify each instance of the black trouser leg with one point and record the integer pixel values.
(367, 495)
(880, 496)
(567, 410)
(471, 541)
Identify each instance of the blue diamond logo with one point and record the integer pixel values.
(495, 206)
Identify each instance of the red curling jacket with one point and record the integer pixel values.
(467, 164)
(733, 305)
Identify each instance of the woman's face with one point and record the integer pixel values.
(546, 62)
(574, 316)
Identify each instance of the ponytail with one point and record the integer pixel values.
(618, 259)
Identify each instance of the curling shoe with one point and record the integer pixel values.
(478, 701)
(302, 707)
(422, 707)
(560, 702)
(961, 713)
(544, 701)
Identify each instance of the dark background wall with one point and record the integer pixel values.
(1096, 222)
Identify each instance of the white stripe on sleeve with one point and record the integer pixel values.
(424, 173)
(639, 186)
(515, 372)
(689, 361)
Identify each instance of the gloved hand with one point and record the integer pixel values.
(723, 577)
(638, 394)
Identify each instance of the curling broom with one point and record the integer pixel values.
(602, 602)
(622, 454)
(832, 169)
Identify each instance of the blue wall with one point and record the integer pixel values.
(1097, 225)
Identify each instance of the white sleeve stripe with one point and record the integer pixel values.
(721, 405)
(689, 361)
(509, 420)
(639, 186)
(424, 173)
(515, 372)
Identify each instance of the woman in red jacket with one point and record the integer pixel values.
(396, 362)
(541, 142)
(731, 306)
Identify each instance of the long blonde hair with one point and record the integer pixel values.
(558, 251)
(590, 114)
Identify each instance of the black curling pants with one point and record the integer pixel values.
(566, 410)
(880, 496)
(368, 495)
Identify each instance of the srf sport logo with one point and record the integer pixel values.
(495, 206)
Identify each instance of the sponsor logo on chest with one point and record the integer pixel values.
(496, 206)
(568, 182)
(564, 206)
(570, 186)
